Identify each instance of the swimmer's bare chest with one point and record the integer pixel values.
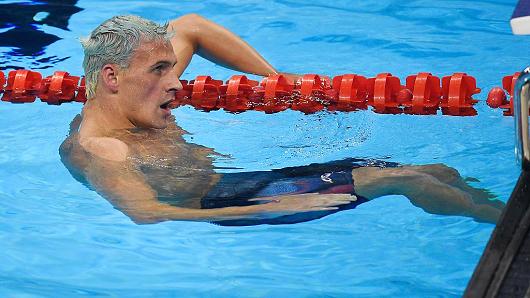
(181, 173)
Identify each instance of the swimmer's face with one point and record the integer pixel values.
(149, 84)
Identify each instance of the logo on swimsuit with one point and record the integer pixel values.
(326, 178)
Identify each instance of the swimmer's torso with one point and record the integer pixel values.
(179, 172)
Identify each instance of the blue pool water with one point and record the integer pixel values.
(59, 239)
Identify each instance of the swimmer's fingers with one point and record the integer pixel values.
(342, 201)
(471, 179)
(292, 77)
(323, 209)
(290, 204)
(273, 213)
(264, 200)
(338, 198)
(308, 202)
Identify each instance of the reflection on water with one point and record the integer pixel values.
(20, 31)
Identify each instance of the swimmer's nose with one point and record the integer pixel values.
(174, 83)
(179, 84)
(174, 88)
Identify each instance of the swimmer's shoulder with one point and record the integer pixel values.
(78, 152)
(77, 146)
(107, 148)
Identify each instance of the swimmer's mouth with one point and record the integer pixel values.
(165, 105)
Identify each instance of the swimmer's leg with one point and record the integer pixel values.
(451, 176)
(423, 190)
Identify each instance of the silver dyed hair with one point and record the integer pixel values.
(114, 42)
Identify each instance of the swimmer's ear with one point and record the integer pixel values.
(109, 76)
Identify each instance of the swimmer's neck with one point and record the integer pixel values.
(102, 115)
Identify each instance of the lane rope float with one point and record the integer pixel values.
(422, 93)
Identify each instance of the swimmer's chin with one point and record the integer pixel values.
(160, 123)
(159, 126)
(162, 126)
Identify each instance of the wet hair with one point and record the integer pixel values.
(114, 42)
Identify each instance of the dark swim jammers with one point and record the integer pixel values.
(235, 189)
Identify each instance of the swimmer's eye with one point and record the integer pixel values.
(159, 68)
(162, 66)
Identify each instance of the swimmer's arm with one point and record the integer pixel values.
(127, 190)
(197, 35)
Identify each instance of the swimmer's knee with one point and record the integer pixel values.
(441, 171)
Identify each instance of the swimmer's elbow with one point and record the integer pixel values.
(145, 220)
(158, 212)
(190, 26)
(163, 213)
(188, 20)
(145, 217)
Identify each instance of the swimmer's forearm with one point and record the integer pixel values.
(268, 207)
(160, 212)
(219, 45)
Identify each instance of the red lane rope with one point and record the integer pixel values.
(422, 94)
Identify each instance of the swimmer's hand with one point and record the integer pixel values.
(291, 77)
(291, 204)
(272, 207)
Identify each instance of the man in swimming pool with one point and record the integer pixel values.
(127, 146)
